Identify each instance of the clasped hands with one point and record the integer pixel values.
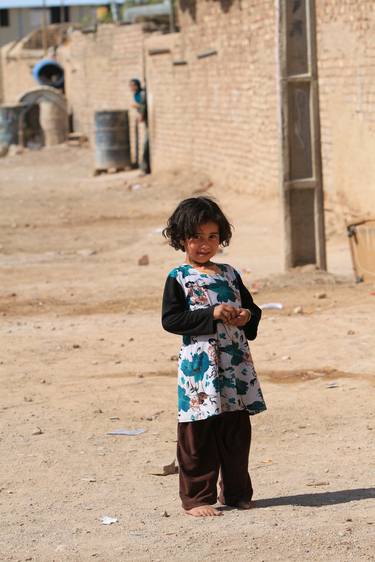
(232, 315)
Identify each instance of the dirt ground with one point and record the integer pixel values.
(82, 353)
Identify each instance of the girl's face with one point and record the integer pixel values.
(204, 244)
(133, 86)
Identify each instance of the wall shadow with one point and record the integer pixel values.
(320, 499)
(227, 4)
(191, 6)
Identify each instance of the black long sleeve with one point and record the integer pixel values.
(178, 319)
(251, 328)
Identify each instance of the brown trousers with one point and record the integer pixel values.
(205, 448)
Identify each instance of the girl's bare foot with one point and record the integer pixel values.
(203, 511)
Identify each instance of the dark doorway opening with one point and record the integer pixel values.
(33, 136)
(4, 18)
(59, 14)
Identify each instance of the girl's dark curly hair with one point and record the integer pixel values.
(192, 212)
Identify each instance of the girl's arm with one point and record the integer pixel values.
(177, 319)
(251, 328)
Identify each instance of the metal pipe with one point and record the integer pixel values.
(114, 12)
(172, 24)
(44, 28)
(62, 12)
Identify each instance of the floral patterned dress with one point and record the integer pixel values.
(215, 370)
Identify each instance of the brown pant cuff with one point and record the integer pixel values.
(232, 501)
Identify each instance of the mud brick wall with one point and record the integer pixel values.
(213, 97)
(346, 62)
(220, 113)
(16, 72)
(1, 80)
(98, 67)
(213, 91)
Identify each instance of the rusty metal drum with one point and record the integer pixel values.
(112, 140)
(9, 123)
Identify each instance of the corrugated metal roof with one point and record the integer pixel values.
(52, 3)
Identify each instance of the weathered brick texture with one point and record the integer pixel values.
(16, 68)
(98, 67)
(346, 61)
(218, 113)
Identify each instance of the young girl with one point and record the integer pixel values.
(208, 304)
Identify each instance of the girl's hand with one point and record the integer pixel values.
(226, 313)
(243, 317)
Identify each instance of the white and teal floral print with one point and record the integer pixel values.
(215, 372)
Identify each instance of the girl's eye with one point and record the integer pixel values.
(214, 236)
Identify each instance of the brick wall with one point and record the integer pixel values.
(346, 60)
(220, 113)
(16, 67)
(217, 113)
(98, 67)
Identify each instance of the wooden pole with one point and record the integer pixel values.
(62, 12)
(321, 254)
(172, 24)
(301, 162)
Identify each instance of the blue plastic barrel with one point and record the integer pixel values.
(9, 123)
(112, 140)
(48, 72)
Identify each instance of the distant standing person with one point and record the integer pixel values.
(140, 104)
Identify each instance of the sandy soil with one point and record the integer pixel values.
(82, 353)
